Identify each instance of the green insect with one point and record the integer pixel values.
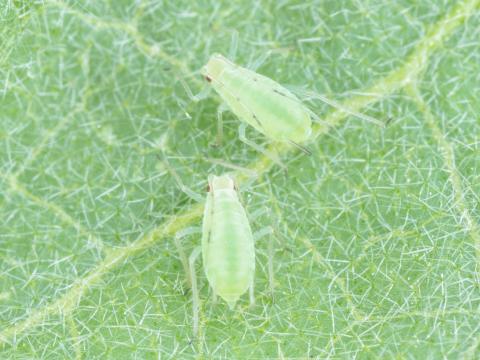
(228, 245)
(262, 103)
(228, 250)
(259, 101)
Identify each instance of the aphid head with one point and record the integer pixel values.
(214, 67)
(224, 182)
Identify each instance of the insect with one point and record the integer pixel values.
(262, 103)
(259, 101)
(228, 250)
(228, 246)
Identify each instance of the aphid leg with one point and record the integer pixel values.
(203, 94)
(195, 297)
(220, 110)
(259, 234)
(243, 138)
(317, 119)
(181, 251)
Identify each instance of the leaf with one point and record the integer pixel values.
(377, 235)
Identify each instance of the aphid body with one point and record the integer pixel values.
(227, 242)
(259, 101)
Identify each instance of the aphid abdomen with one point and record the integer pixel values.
(262, 103)
(228, 249)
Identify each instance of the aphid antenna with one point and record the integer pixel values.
(192, 194)
(193, 73)
(204, 93)
(260, 61)
(317, 119)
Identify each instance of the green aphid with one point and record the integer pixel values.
(259, 101)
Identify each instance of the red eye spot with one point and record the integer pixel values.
(208, 78)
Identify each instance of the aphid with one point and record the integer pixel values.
(228, 250)
(257, 101)
(263, 103)
(228, 246)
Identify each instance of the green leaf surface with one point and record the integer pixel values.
(377, 235)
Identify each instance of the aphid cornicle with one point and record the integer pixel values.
(259, 101)
(228, 249)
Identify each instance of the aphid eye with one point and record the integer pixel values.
(208, 78)
(208, 188)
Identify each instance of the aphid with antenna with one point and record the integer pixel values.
(262, 103)
(228, 245)
(259, 101)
